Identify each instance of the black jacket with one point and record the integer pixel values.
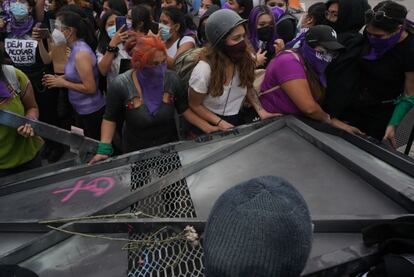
(343, 74)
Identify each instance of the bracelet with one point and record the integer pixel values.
(112, 49)
(219, 122)
(104, 149)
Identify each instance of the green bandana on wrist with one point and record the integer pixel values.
(104, 149)
(403, 105)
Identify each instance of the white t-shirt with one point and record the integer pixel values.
(116, 63)
(233, 94)
(172, 51)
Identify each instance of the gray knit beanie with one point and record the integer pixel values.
(261, 227)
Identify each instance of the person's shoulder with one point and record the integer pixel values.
(120, 82)
(287, 57)
(186, 39)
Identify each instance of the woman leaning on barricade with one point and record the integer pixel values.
(295, 80)
(224, 76)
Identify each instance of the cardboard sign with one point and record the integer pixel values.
(21, 51)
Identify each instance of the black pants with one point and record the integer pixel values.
(91, 123)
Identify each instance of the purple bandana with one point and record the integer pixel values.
(277, 12)
(151, 80)
(380, 46)
(317, 61)
(21, 28)
(4, 90)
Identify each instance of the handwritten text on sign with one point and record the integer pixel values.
(21, 51)
(98, 186)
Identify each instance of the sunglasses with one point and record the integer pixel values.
(379, 16)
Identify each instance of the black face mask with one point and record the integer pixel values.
(265, 33)
(235, 52)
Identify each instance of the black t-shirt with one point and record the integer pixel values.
(384, 79)
(141, 129)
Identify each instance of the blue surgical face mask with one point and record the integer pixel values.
(19, 10)
(164, 31)
(111, 31)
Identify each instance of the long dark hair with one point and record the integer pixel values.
(104, 39)
(141, 13)
(247, 5)
(177, 17)
(81, 24)
(119, 6)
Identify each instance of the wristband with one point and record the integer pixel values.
(219, 122)
(403, 105)
(104, 149)
(112, 49)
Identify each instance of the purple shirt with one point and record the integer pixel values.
(284, 67)
(81, 102)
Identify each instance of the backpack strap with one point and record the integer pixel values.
(11, 77)
(278, 86)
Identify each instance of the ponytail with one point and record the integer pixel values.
(73, 16)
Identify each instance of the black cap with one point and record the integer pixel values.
(324, 36)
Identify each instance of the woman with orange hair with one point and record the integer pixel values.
(147, 96)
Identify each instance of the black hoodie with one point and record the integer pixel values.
(343, 73)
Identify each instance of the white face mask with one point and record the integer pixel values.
(58, 37)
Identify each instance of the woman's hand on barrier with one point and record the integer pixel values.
(224, 125)
(265, 114)
(346, 127)
(98, 158)
(390, 136)
(208, 129)
(26, 130)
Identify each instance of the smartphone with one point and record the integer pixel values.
(120, 21)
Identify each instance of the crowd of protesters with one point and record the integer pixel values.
(141, 73)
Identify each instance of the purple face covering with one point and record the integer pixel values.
(21, 28)
(277, 12)
(151, 80)
(226, 6)
(317, 61)
(380, 46)
(4, 90)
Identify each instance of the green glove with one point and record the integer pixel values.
(403, 105)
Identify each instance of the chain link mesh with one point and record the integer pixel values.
(176, 258)
(174, 201)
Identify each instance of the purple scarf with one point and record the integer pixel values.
(381, 46)
(4, 90)
(19, 29)
(151, 80)
(316, 61)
